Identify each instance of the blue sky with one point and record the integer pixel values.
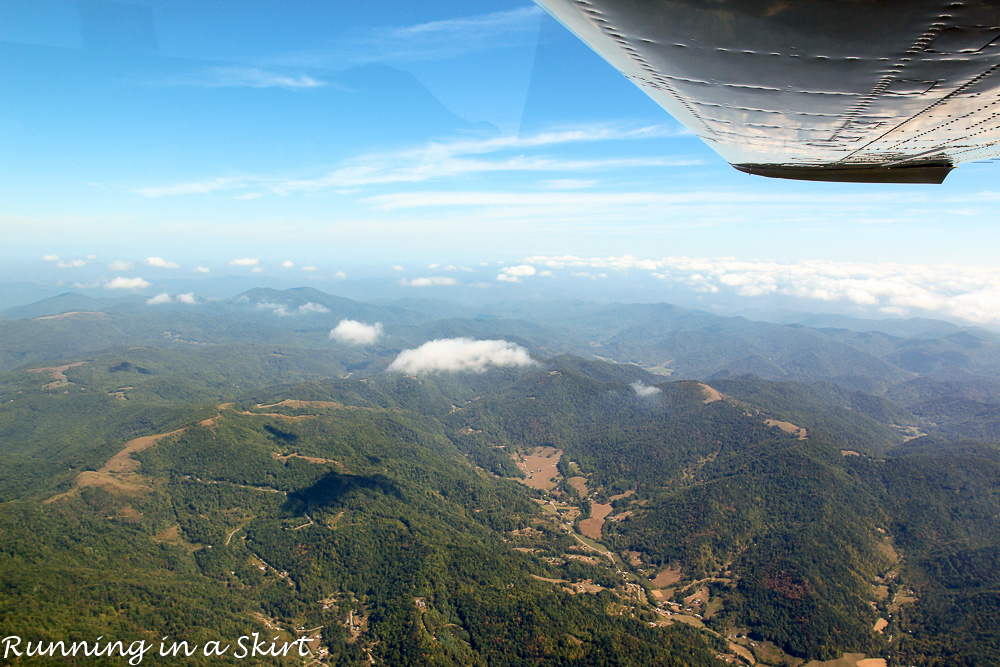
(398, 134)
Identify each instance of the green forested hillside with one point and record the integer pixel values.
(575, 511)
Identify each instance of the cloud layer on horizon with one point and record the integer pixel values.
(945, 290)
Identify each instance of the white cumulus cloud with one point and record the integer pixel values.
(644, 390)
(460, 354)
(356, 333)
(288, 264)
(513, 274)
(245, 261)
(162, 297)
(282, 310)
(119, 265)
(126, 283)
(161, 263)
(311, 309)
(430, 281)
(202, 269)
(188, 298)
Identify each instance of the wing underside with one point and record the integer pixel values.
(834, 90)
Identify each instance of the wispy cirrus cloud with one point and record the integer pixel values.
(427, 41)
(243, 77)
(460, 158)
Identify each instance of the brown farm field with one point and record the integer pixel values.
(667, 577)
(540, 467)
(592, 527)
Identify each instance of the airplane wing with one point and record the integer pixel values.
(887, 91)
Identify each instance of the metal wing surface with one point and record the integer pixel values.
(831, 90)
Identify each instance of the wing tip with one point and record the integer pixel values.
(921, 172)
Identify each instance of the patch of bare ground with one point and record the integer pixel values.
(299, 405)
(310, 459)
(581, 557)
(580, 484)
(57, 374)
(94, 478)
(619, 496)
(698, 598)
(120, 393)
(909, 432)
(634, 558)
(586, 586)
(880, 625)
(849, 452)
(592, 527)
(689, 620)
(119, 473)
(667, 577)
(210, 422)
(769, 654)
(123, 461)
(171, 535)
(713, 607)
(243, 524)
(743, 652)
(278, 415)
(711, 395)
(540, 467)
(886, 550)
(901, 598)
(357, 625)
(849, 660)
(789, 428)
(75, 314)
